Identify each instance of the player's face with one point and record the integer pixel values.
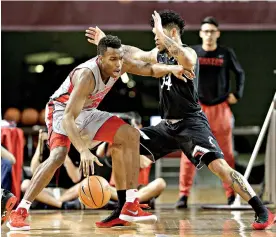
(112, 62)
(158, 44)
(209, 34)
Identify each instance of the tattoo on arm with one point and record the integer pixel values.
(173, 47)
(138, 54)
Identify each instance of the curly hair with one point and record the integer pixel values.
(108, 41)
(170, 19)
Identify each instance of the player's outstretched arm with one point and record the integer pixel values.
(186, 56)
(94, 35)
(84, 84)
(154, 70)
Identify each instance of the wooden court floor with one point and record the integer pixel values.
(193, 222)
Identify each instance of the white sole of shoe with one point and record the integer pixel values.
(18, 228)
(144, 219)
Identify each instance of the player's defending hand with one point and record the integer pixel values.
(157, 23)
(87, 162)
(179, 70)
(94, 35)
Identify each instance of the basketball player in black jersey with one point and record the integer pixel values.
(184, 125)
(216, 61)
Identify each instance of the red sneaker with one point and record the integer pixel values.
(132, 212)
(112, 223)
(261, 225)
(112, 220)
(8, 201)
(17, 220)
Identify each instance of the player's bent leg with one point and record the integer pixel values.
(224, 139)
(120, 180)
(41, 178)
(129, 138)
(264, 218)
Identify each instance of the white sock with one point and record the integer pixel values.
(24, 204)
(131, 195)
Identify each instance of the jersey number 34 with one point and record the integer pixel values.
(167, 81)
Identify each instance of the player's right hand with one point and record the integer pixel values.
(94, 35)
(87, 162)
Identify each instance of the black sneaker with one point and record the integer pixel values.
(112, 220)
(182, 203)
(231, 200)
(152, 203)
(73, 205)
(8, 200)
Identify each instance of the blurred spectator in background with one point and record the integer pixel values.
(62, 192)
(215, 96)
(7, 160)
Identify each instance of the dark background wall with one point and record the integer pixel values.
(256, 52)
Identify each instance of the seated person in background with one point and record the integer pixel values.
(62, 192)
(147, 192)
(7, 161)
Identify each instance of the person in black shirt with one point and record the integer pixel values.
(184, 125)
(216, 62)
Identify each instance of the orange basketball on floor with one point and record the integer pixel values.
(94, 192)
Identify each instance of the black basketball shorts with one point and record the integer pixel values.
(192, 135)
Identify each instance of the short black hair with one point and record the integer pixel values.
(108, 41)
(170, 19)
(210, 20)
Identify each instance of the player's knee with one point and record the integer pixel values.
(127, 134)
(161, 184)
(134, 135)
(221, 168)
(25, 184)
(57, 156)
(115, 147)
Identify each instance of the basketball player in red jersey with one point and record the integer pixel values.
(184, 125)
(72, 116)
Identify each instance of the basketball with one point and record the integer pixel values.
(12, 114)
(94, 192)
(29, 116)
(42, 117)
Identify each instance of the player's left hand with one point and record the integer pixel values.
(232, 99)
(189, 74)
(94, 35)
(157, 23)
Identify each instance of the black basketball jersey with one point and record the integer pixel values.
(178, 99)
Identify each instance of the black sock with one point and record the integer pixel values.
(258, 206)
(121, 198)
